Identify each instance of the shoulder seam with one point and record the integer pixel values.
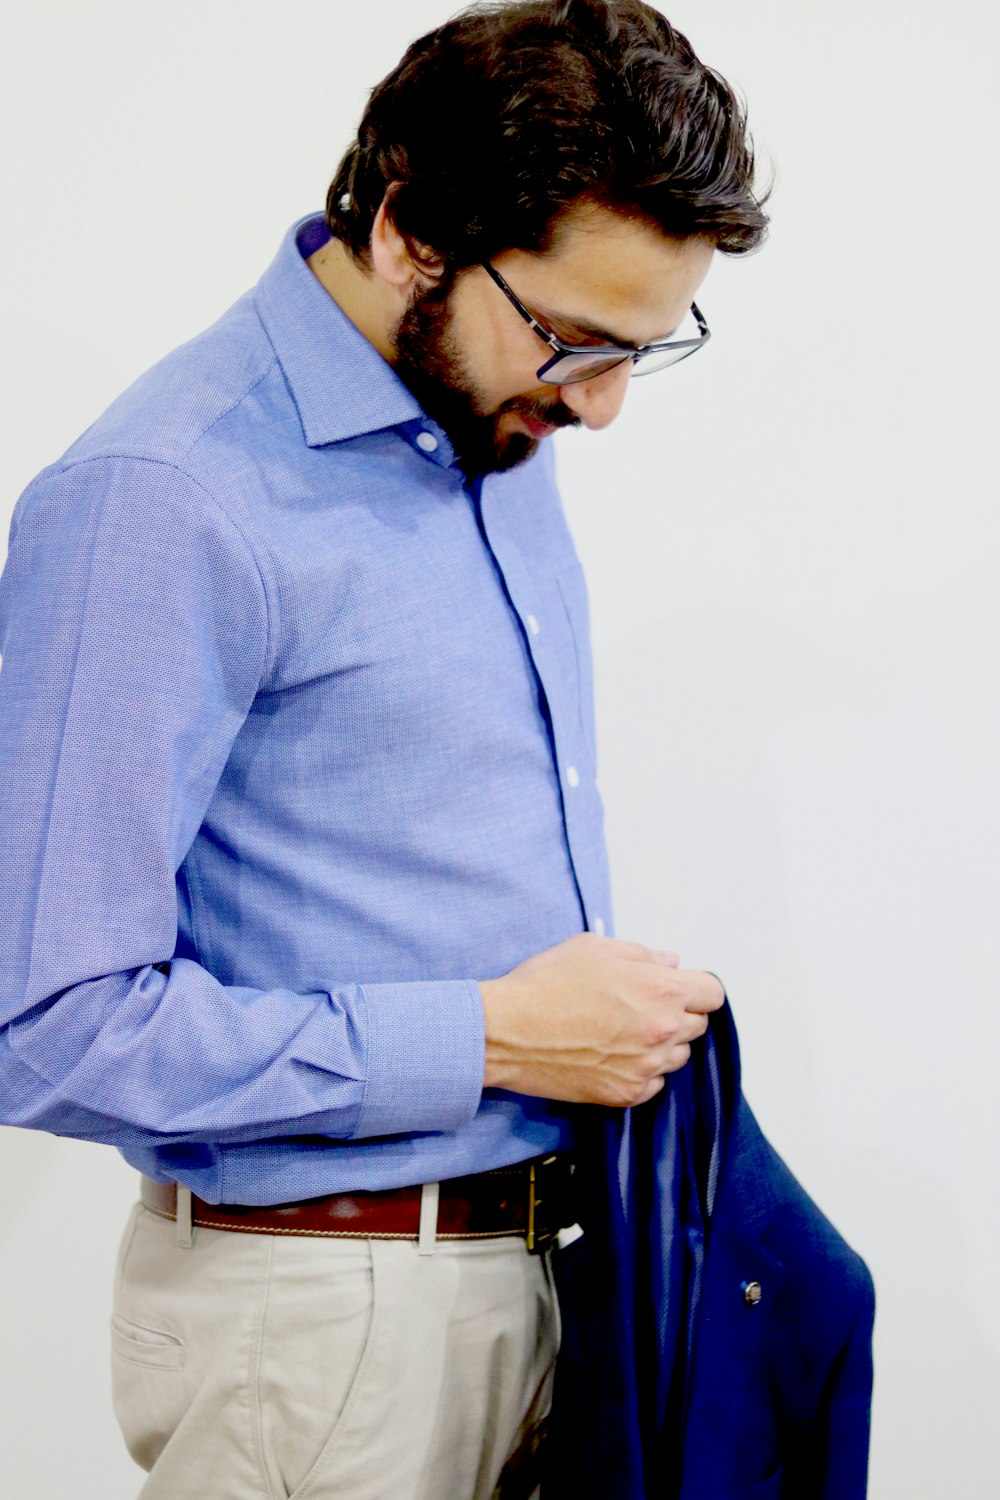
(164, 463)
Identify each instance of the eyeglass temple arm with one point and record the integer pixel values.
(557, 344)
(519, 307)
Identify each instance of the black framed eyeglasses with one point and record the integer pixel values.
(572, 362)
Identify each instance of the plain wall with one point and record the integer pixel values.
(791, 545)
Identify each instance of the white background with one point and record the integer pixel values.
(791, 543)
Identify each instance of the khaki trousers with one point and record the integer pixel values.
(284, 1367)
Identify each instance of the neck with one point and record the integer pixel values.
(360, 295)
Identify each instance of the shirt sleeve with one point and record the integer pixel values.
(134, 634)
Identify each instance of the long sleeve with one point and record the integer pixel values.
(845, 1428)
(135, 632)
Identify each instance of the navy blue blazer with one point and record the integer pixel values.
(716, 1327)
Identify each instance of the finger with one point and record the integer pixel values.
(675, 1053)
(653, 1088)
(680, 1056)
(643, 954)
(695, 1025)
(705, 991)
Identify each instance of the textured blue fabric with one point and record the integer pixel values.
(669, 1385)
(296, 745)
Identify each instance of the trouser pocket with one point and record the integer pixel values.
(147, 1386)
(147, 1361)
(184, 1330)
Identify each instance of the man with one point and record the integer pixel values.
(304, 892)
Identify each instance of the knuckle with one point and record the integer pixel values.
(613, 1094)
(668, 1026)
(681, 1054)
(656, 1030)
(668, 982)
(646, 1086)
(622, 1093)
(654, 980)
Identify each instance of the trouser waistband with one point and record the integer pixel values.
(533, 1199)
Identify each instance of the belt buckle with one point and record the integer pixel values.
(537, 1239)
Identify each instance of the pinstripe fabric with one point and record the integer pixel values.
(296, 745)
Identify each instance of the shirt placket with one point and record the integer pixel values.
(552, 652)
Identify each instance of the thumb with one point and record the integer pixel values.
(672, 959)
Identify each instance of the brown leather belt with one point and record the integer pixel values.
(531, 1198)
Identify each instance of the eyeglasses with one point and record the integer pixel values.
(572, 362)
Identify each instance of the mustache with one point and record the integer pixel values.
(555, 415)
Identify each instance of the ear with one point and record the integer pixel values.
(398, 258)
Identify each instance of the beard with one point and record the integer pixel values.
(428, 361)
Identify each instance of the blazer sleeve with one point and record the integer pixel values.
(846, 1414)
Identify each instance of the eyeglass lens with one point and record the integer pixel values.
(572, 367)
(588, 363)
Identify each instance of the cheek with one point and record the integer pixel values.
(500, 354)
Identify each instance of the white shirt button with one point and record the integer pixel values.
(572, 776)
(599, 926)
(427, 442)
(533, 625)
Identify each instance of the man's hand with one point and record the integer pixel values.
(594, 1021)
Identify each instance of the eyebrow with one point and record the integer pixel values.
(580, 325)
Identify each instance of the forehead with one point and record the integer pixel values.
(613, 271)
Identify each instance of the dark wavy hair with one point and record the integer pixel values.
(492, 126)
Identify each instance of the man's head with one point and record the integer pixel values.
(581, 150)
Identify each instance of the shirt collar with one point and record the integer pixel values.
(341, 385)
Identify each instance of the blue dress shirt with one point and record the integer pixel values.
(296, 745)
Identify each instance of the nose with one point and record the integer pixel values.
(599, 400)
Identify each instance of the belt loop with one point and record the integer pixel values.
(185, 1231)
(426, 1244)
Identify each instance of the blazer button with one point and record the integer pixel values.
(752, 1292)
